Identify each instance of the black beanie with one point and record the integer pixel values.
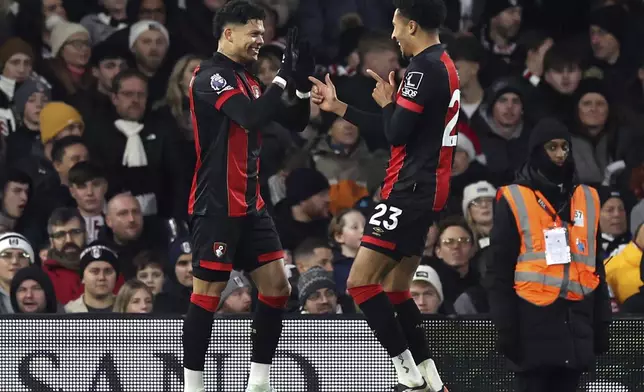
(591, 85)
(98, 251)
(36, 273)
(495, 7)
(611, 19)
(605, 193)
(304, 183)
(546, 130)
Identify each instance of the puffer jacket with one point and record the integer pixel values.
(624, 272)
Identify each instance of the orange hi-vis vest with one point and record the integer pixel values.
(536, 281)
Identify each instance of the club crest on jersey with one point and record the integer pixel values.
(219, 84)
(256, 92)
(219, 248)
(412, 83)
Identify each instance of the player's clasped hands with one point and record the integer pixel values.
(384, 91)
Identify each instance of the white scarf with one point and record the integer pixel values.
(134, 155)
(8, 87)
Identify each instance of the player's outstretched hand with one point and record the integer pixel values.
(287, 68)
(304, 67)
(325, 96)
(384, 91)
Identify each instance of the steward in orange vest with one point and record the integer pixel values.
(545, 279)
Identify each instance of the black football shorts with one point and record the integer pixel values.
(397, 228)
(223, 243)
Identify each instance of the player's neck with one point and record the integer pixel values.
(230, 54)
(299, 215)
(98, 302)
(425, 41)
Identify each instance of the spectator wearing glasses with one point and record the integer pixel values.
(478, 199)
(317, 292)
(33, 292)
(66, 228)
(454, 251)
(16, 253)
(71, 51)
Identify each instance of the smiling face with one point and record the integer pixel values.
(244, 41)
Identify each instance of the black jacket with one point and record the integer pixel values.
(164, 175)
(564, 334)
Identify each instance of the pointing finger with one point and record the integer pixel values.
(375, 76)
(316, 82)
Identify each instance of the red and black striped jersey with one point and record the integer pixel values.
(420, 125)
(226, 179)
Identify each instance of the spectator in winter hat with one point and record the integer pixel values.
(599, 140)
(478, 201)
(426, 290)
(16, 193)
(501, 25)
(33, 292)
(466, 168)
(57, 120)
(108, 58)
(613, 222)
(15, 253)
(236, 296)
(468, 55)
(30, 98)
(305, 211)
(71, 51)
(503, 128)
(16, 64)
(317, 292)
(149, 41)
(133, 297)
(175, 297)
(612, 61)
(99, 268)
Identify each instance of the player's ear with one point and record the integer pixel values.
(412, 26)
(228, 34)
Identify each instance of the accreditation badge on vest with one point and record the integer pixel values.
(557, 248)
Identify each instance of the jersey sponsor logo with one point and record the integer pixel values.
(219, 84)
(412, 82)
(219, 248)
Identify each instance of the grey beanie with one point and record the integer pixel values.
(30, 86)
(236, 281)
(312, 280)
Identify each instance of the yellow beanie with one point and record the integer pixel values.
(54, 117)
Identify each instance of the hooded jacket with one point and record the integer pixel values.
(35, 273)
(503, 156)
(566, 333)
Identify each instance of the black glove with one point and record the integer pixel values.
(509, 344)
(287, 68)
(601, 339)
(305, 67)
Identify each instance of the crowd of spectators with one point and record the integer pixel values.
(97, 149)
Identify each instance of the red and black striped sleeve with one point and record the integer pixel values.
(220, 89)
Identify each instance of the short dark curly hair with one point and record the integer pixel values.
(236, 12)
(429, 14)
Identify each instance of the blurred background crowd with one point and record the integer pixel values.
(97, 151)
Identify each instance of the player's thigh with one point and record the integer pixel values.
(369, 267)
(215, 242)
(399, 278)
(261, 254)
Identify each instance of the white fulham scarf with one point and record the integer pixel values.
(134, 155)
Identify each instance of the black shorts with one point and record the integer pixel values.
(397, 228)
(224, 243)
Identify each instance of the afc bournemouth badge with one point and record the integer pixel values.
(220, 249)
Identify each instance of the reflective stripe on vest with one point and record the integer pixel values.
(537, 282)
